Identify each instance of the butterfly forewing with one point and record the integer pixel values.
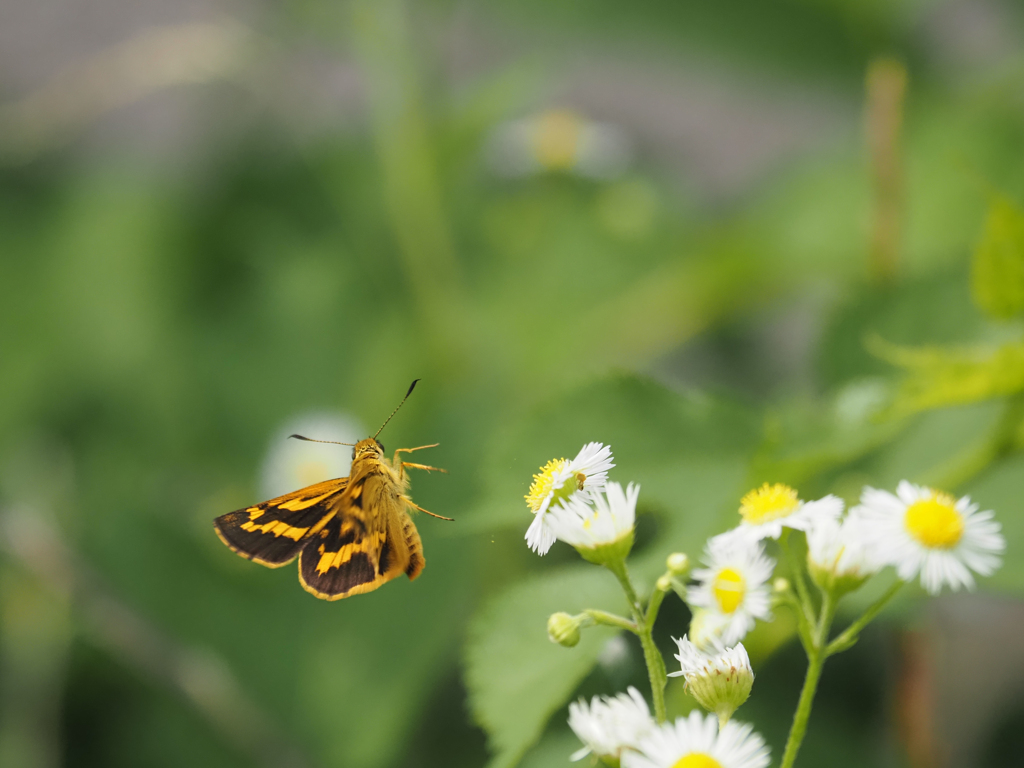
(274, 532)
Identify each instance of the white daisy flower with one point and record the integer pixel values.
(770, 508)
(557, 482)
(609, 726)
(720, 681)
(293, 464)
(838, 556)
(733, 589)
(603, 527)
(922, 531)
(698, 742)
(559, 141)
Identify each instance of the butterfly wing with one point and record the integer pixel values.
(370, 541)
(274, 532)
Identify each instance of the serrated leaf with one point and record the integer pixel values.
(517, 677)
(997, 274)
(938, 377)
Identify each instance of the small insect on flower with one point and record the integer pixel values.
(922, 531)
(697, 741)
(610, 725)
(351, 534)
(557, 482)
(765, 511)
(733, 589)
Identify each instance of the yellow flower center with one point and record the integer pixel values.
(935, 522)
(544, 483)
(557, 140)
(728, 588)
(769, 502)
(697, 760)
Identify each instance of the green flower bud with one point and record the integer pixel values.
(678, 564)
(719, 680)
(564, 629)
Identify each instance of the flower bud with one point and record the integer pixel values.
(678, 564)
(564, 629)
(664, 583)
(720, 681)
(780, 586)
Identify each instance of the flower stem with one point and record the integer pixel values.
(816, 656)
(610, 620)
(644, 625)
(849, 635)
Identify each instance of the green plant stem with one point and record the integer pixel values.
(850, 633)
(653, 606)
(652, 657)
(798, 577)
(611, 620)
(816, 656)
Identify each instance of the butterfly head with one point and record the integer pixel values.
(370, 447)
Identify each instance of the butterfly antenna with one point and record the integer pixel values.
(311, 440)
(411, 388)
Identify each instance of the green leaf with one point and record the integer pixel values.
(517, 677)
(997, 274)
(938, 377)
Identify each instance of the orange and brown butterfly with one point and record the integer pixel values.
(351, 534)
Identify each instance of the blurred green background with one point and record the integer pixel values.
(739, 241)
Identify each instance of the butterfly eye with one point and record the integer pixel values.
(379, 445)
(353, 453)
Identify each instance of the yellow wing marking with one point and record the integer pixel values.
(294, 505)
(276, 527)
(328, 560)
(281, 528)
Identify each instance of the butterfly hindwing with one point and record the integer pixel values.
(274, 532)
(369, 542)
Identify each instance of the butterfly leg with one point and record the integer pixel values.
(414, 505)
(396, 462)
(423, 466)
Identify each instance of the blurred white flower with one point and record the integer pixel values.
(558, 140)
(838, 555)
(608, 726)
(733, 589)
(557, 482)
(293, 464)
(922, 531)
(765, 511)
(697, 742)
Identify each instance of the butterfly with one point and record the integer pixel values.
(351, 534)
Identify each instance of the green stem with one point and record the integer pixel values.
(798, 576)
(816, 656)
(611, 620)
(652, 657)
(850, 633)
(653, 606)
